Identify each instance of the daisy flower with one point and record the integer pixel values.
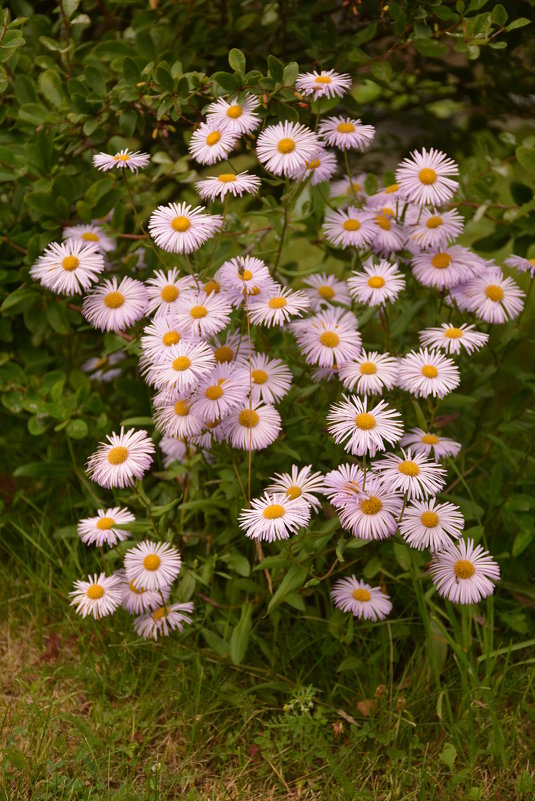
(89, 234)
(100, 530)
(343, 484)
(445, 268)
(201, 314)
(411, 473)
(424, 178)
(174, 415)
(152, 565)
(164, 290)
(69, 268)
(278, 307)
(361, 599)
(370, 373)
(238, 117)
(376, 284)
(374, 514)
(346, 133)
(299, 484)
(159, 336)
(99, 596)
(424, 442)
(122, 459)
(253, 426)
(520, 264)
(173, 449)
(234, 348)
(243, 275)
(349, 227)
(321, 167)
(424, 373)
(137, 600)
(133, 160)
(493, 298)
(221, 391)
(391, 195)
(211, 142)
(271, 379)
(349, 187)
(286, 147)
(228, 182)
(163, 620)
(363, 431)
(274, 517)
(433, 229)
(326, 83)
(179, 228)
(181, 366)
(453, 339)
(429, 524)
(328, 338)
(323, 289)
(389, 235)
(463, 573)
(99, 369)
(114, 306)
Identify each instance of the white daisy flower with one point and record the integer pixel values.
(376, 284)
(493, 298)
(299, 484)
(159, 336)
(328, 338)
(323, 289)
(100, 530)
(136, 599)
(238, 117)
(69, 268)
(221, 391)
(453, 339)
(445, 268)
(277, 307)
(520, 264)
(424, 373)
(174, 415)
(133, 160)
(373, 514)
(361, 599)
(182, 366)
(429, 524)
(433, 229)
(389, 235)
(211, 142)
(174, 449)
(389, 196)
(243, 275)
(346, 133)
(179, 228)
(253, 426)
(234, 348)
(152, 565)
(114, 306)
(321, 167)
(165, 289)
(122, 459)
(274, 517)
(411, 473)
(271, 379)
(99, 369)
(352, 188)
(286, 147)
(218, 186)
(430, 444)
(363, 431)
(163, 620)
(370, 373)
(350, 227)
(424, 178)
(343, 484)
(90, 235)
(326, 83)
(99, 596)
(463, 573)
(203, 315)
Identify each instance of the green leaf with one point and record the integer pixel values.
(430, 47)
(228, 82)
(448, 755)
(420, 416)
(520, 22)
(69, 7)
(382, 71)
(236, 59)
(241, 633)
(77, 429)
(276, 68)
(499, 15)
(526, 158)
(294, 578)
(131, 71)
(290, 73)
(38, 424)
(522, 540)
(52, 88)
(56, 315)
(164, 78)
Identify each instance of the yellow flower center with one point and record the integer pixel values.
(223, 354)
(427, 176)
(441, 261)
(383, 222)
(214, 393)
(464, 569)
(259, 376)
(249, 418)
(277, 303)
(356, 188)
(160, 613)
(234, 112)
(246, 275)
(371, 506)
(180, 223)
(94, 592)
(365, 421)
(121, 157)
(226, 177)
(89, 236)
(105, 523)
(213, 138)
(118, 455)
(330, 339)
(169, 293)
(429, 519)
(322, 79)
(453, 333)
(181, 363)
(391, 189)
(152, 561)
(361, 594)
(286, 145)
(211, 286)
(70, 263)
(133, 588)
(532, 261)
(409, 468)
(368, 368)
(345, 127)
(198, 312)
(351, 225)
(326, 292)
(494, 293)
(255, 290)
(434, 222)
(170, 338)
(313, 165)
(429, 371)
(293, 492)
(430, 439)
(352, 486)
(273, 511)
(181, 408)
(376, 282)
(114, 300)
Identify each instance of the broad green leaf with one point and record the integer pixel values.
(236, 59)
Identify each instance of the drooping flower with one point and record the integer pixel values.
(352, 189)
(132, 160)
(363, 430)
(179, 228)
(286, 147)
(326, 83)
(163, 620)
(114, 305)
(424, 178)
(453, 339)
(411, 473)
(234, 348)
(120, 460)
(244, 276)
(429, 524)
(174, 449)
(361, 599)
(370, 373)
(424, 373)
(346, 133)
(376, 284)
(463, 573)
(100, 530)
(299, 484)
(152, 565)
(236, 116)
(274, 517)
(102, 369)
(343, 484)
(228, 183)
(68, 268)
(389, 235)
(99, 596)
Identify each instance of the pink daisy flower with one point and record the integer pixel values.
(376, 284)
(179, 228)
(328, 338)
(493, 298)
(463, 573)
(201, 314)
(123, 159)
(361, 599)
(99, 596)
(163, 620)
(520, 264)
(433, 229)
(411, 473)
(326, 83)
(271, 379)
(152, 565)
(236, 117)
(421, 441)
(364, 431)
(424, 178)
(424, 373)
(253, 426)
(122, 459)
(211, 142)
(373, 514)
(453, 339)
(350, 227)
(321, 167)
(227, 183)
(277, 307)
(164, 290)
(343, 484)
(429, 524)
(370, 373)
(68, 268)
(286, 147)
(346, 133)
(274, 517)
(299, 484)
(114, 306)
(323, 289)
